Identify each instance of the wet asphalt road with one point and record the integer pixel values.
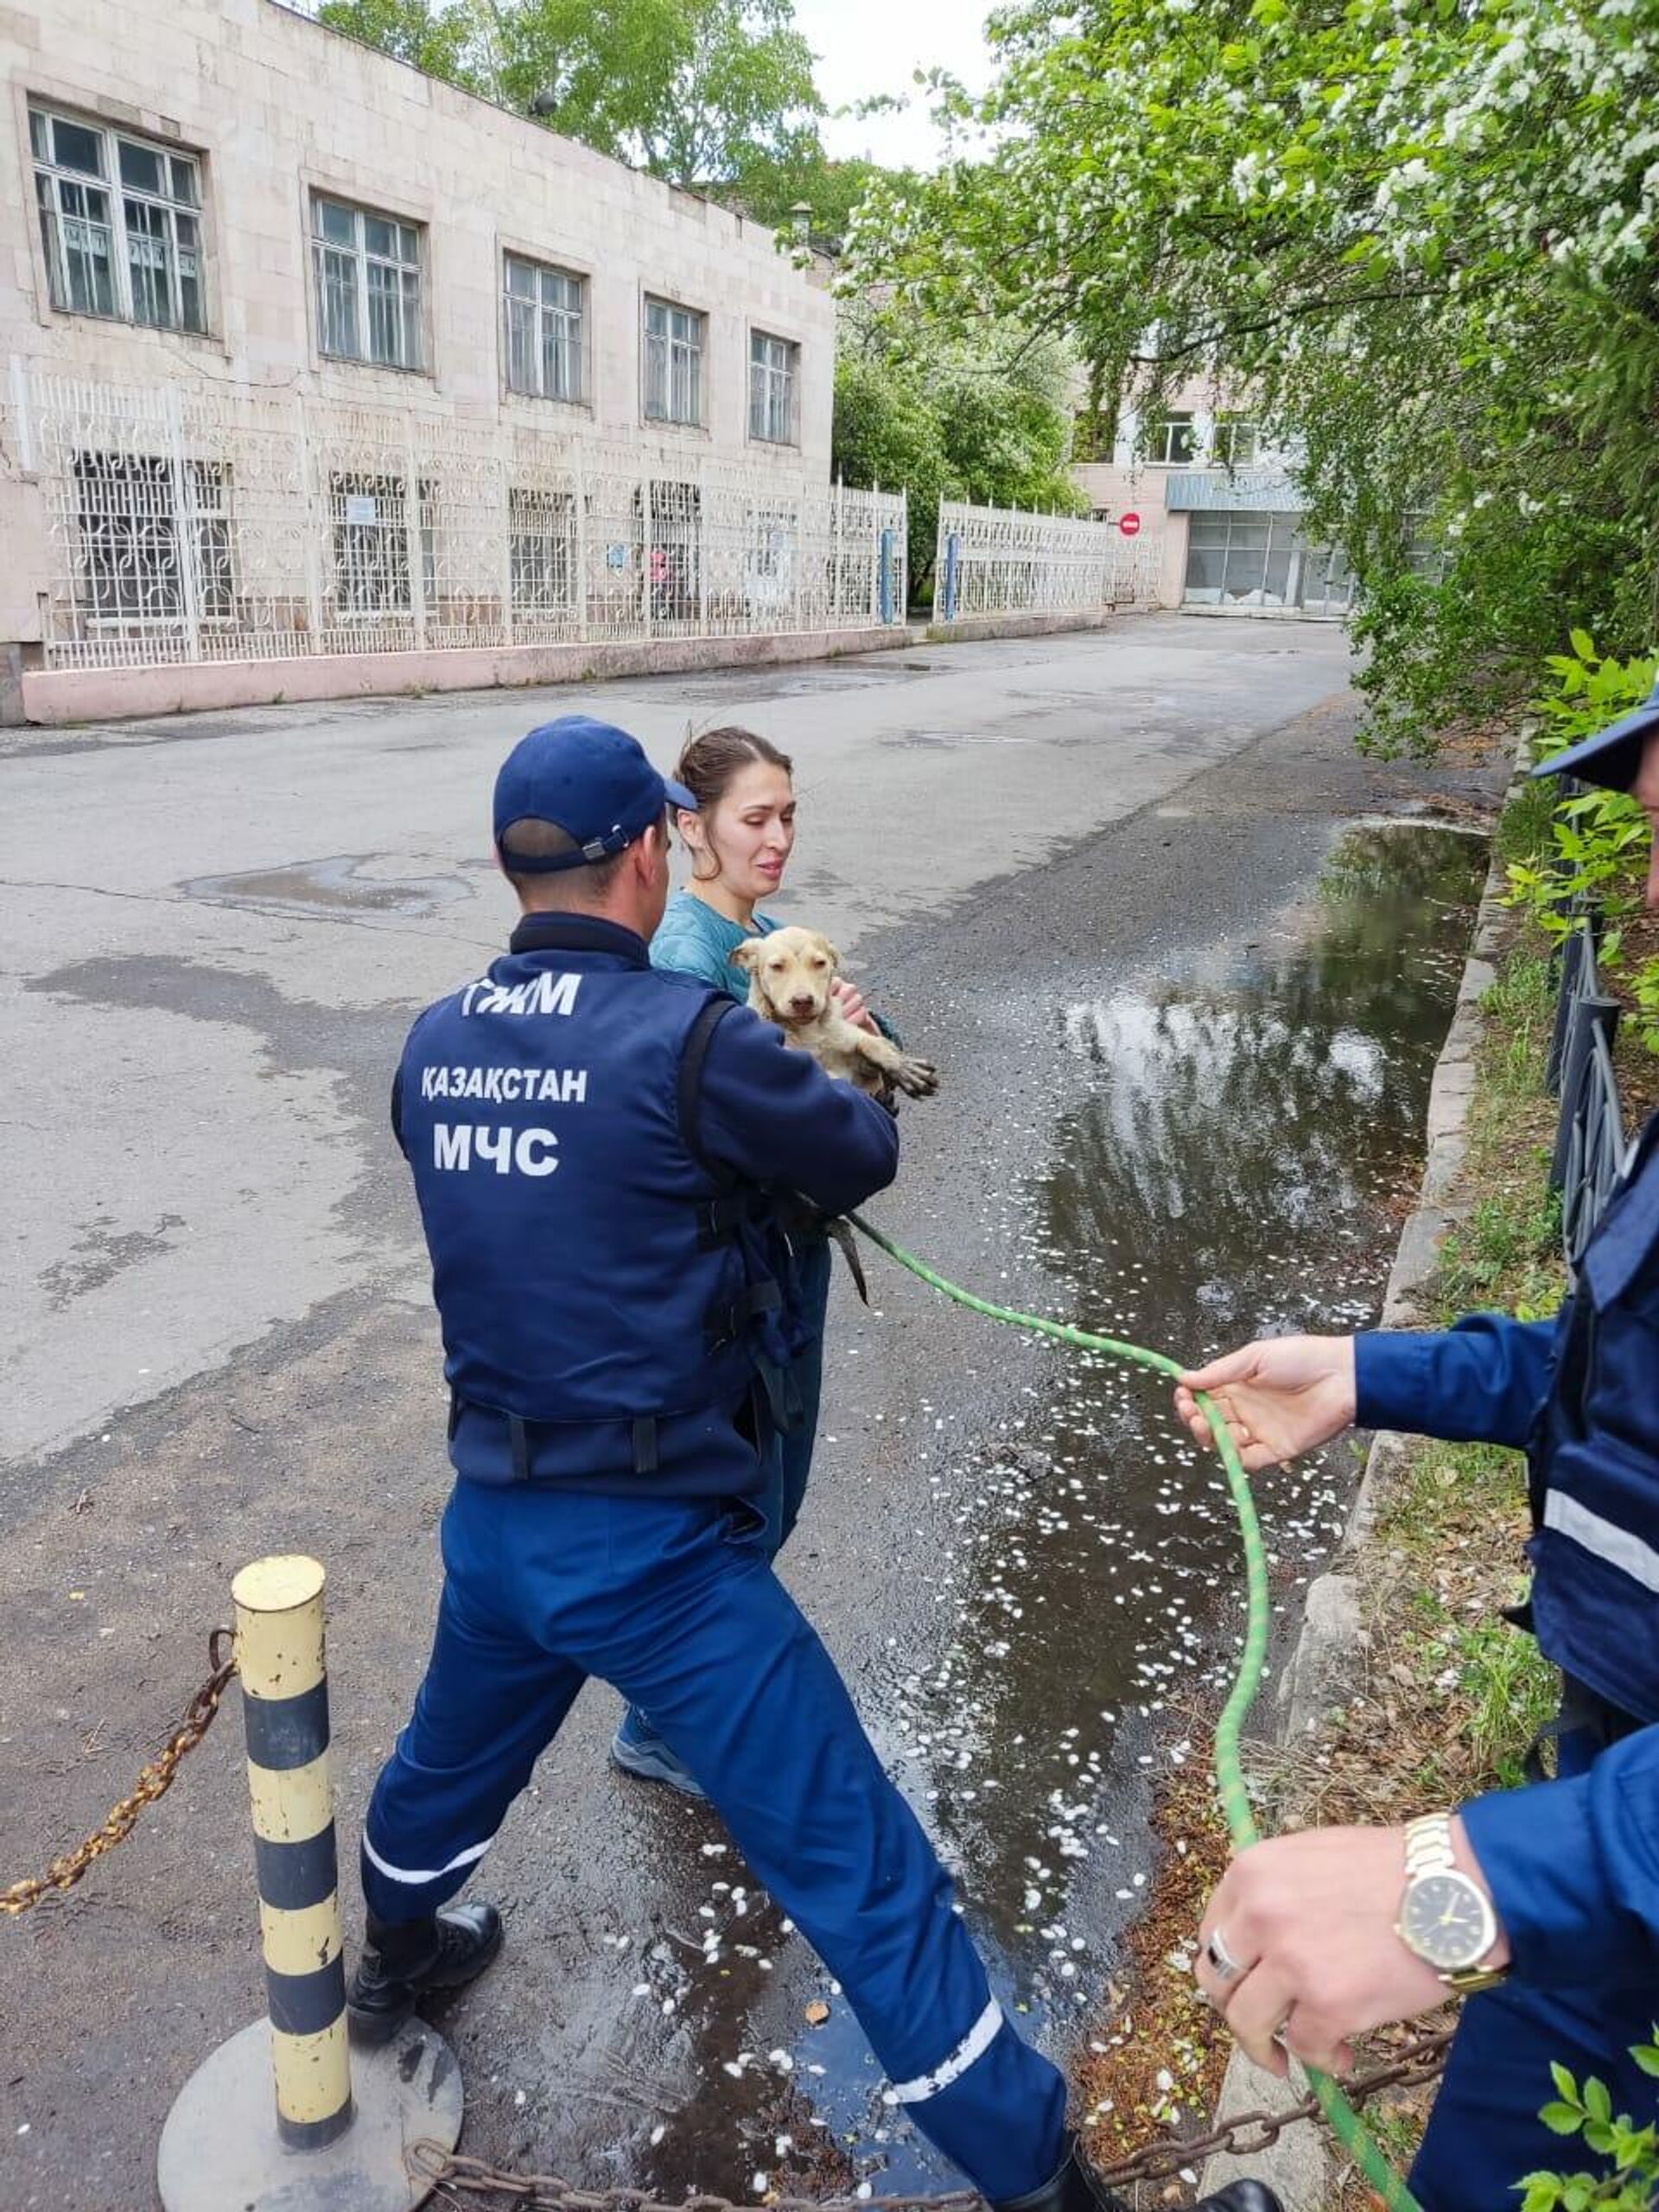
(1083, 872)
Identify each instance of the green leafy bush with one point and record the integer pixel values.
(1588, 2112)
(1598, 841)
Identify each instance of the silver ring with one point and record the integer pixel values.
(1215, 1949)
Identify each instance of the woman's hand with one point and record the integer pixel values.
(849, 1004)
(1280, 1397)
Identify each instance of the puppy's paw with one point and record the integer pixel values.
(916, 1078)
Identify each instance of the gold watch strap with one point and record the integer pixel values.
(1467, 1980)
(1428, 1851)
(1428, 1845)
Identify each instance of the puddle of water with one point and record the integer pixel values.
(944, 737)
(1224, 1173)
(802, 680)
(342, 881)
(1234, 1130)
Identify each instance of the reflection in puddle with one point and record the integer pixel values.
(1237, 1132)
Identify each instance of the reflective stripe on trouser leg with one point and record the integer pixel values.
(490, 1704)
(279, 1647)
(700, 1635)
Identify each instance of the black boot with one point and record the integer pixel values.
(403, 1960)
(1074, 2189)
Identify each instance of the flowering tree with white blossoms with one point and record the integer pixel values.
(1420, 231)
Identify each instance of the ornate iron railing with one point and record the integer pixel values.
(231, 522)
(1002, 560)
(1589, 1142)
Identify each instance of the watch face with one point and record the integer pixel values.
(1446, 1921)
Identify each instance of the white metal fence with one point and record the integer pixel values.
(226, 522)
(1002, 560)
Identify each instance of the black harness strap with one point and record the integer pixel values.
(781, 1393)
(1581, 1707)
(840, 1233)
(727, 1322)
(519, 1443)
(719, 1219)
(694, 1052)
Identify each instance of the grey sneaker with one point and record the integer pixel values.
(638, 1750)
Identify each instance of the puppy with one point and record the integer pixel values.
(789, 974)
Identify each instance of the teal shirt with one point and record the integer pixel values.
(692, 939)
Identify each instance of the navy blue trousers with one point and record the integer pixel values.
(1484, 2132)
(673, 1601)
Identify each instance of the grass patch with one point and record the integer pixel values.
(1507, 1254)
(1507, 1691)
(1523, 828)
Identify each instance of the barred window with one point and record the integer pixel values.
(771, 389)
(369, 519)
(368, 278)
(541, 545)
(120, 222)
(543, 309)
(674, 344)
(772, 534)
(135, 541)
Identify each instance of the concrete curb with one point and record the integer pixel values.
(55, 698)
(964, 628)
(1301, 2167)
(59, 698)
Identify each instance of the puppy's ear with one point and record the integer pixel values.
(746, 955)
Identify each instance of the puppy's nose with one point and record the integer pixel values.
(799, 1005)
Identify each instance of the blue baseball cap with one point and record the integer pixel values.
(1612, 758)
(586, 778)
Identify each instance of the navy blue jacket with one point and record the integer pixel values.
(1573, 1865)
(594, 1278)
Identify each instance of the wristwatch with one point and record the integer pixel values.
(1445, 1917)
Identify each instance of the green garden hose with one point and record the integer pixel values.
(1345, 2122)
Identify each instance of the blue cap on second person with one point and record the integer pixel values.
(586, 778)
(1612, 758)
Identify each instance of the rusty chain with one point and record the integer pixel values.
(459, 2182)
(472, 2185)
(1248, 2133)
(154, 1781)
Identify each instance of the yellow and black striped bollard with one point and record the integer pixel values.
(285, 1704)
(343, 2124)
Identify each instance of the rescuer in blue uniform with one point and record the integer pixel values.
(593, 1142)
(1552, 1890)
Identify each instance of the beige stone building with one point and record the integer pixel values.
(321, 376)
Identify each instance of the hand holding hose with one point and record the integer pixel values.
(1281, 1397)
(1304, 1927)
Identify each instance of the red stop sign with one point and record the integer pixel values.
(1129, 525)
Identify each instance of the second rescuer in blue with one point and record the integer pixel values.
(1550, 1893)
(592, 1143)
